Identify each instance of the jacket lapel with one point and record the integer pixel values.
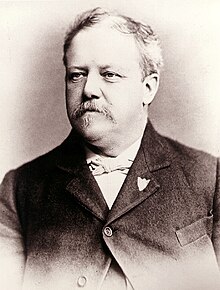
(79, 180)
(153, 155)
(87, 192)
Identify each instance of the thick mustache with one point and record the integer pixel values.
(91, 107)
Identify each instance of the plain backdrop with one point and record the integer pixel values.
(32, 106)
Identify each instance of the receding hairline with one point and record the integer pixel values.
(145, 38)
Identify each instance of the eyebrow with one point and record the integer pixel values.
(115, 66)
(77, 67)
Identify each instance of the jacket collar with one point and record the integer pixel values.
(71, 153)
(153, 155)
(156, 150)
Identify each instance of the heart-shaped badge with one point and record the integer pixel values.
(142, 183)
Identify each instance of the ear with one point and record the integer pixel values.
(151, 84)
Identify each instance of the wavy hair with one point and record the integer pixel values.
(146, 40)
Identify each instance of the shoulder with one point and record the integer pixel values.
(189, 156)
(40, 167)
(161, 147)
(41, 164)
(200, 168)
(33, 170)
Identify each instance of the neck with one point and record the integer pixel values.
(112, 147)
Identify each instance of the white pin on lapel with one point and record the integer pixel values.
(142, 183)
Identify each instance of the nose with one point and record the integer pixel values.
(92, 87)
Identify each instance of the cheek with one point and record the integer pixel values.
(127, 97)
(136, 99)
(73, 99)
(74, 92)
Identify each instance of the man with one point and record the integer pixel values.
(116, 205)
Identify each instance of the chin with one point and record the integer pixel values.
(92, 135)
(92, 129)
(91, 132)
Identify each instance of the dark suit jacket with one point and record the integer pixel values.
(166, 237)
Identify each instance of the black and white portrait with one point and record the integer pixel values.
(110, 137)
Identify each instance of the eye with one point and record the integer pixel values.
(76, 76)
(111, 76)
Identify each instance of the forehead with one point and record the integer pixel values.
(103, 45)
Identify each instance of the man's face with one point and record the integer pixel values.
(104, 87)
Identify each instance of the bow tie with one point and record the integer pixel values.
(98, 166)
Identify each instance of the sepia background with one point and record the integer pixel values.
(32, 106)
